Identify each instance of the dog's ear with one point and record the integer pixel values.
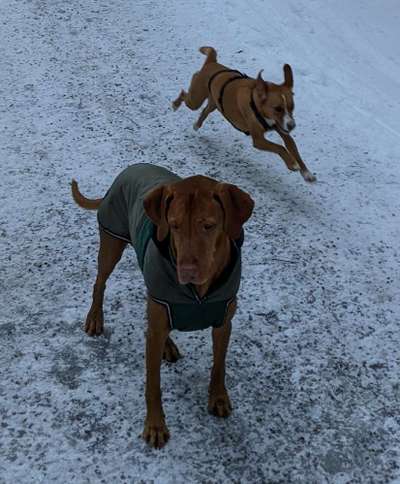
(287, 71)
(237, 206)
(261, 87)
(156, 205)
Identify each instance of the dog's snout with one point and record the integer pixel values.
(188, 267)
(288, 123)
(187, 273)
(188, 259)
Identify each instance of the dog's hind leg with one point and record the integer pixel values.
(211, 106)
(110, 253)
(196, 95)
(179, 100)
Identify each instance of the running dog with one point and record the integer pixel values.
(253, 106)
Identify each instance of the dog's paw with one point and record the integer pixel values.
(171, 352)
(219, 405)
(308, 176)
(156, 434)
(94, 325)
(196, 127)
(175, 105)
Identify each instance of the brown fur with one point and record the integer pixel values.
(201, 215)
(273, 101)
(83, 201)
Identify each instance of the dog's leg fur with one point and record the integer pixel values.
(197, 94)
(292, 148)
(110, 253)
(171, 352)
(218, 400)
(262, 144)
(198, 90)
(211, 106)
(155, 431)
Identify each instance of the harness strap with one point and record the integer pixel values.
(221, 94)
(217, 74)
(257, 114)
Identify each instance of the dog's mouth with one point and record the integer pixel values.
(271, 122)
(187, 280)
(285, 130)
(195, 279)
(190, 277)
(288, 124)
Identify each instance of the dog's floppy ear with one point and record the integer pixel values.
(237, 206)
(261, 87)
(156, 207)
(287, 71)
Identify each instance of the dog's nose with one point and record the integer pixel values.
(187, 273)
(291, 124)
(188, 267)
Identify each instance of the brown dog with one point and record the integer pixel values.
(187, 235)
(252, 106)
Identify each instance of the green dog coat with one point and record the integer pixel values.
(121, 214)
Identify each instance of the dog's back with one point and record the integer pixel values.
(210, 66)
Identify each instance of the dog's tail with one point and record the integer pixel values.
(82, 201)
(211, 54)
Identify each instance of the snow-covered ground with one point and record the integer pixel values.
(313, 366)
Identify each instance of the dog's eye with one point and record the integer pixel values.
(174, 226)
(278, 109)
(209, 227)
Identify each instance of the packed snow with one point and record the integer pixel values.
(313, 366)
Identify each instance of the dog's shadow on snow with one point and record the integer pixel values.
(233, 163)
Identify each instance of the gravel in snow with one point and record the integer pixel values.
(313, 366)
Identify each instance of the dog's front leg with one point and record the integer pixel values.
(211, 106)
(292, 148)
(261, 143)
(218, 400)
(155, 431)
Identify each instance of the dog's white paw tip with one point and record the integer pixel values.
(308, 177)
(196, 127)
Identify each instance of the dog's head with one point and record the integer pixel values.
(201, 215)
(275, 101)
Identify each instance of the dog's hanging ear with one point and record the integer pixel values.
(237, 206)
(156, 207)
(261, 87)
(287, 71)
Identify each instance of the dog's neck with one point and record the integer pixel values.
(255, 102)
